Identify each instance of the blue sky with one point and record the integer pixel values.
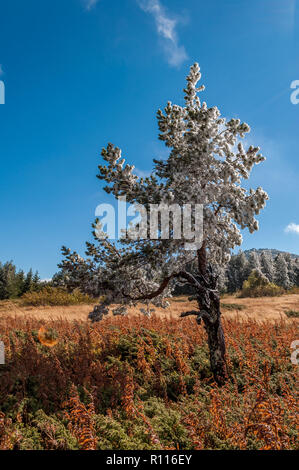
(79, 74)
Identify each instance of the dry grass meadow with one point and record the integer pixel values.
(259, 309)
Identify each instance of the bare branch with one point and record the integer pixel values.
(191, 312)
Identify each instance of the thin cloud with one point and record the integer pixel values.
(292, 228)
(1, 70)
(283, 13)
(89, 4)
(289, 15)
(166, 28)
(142, 173)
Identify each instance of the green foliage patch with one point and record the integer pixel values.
(55, 296)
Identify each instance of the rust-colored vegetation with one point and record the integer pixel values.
(145, 383)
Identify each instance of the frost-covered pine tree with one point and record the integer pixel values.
(237, 272)
(253, 263)
(281, 272)
(222, 279)
(267, 265)
(296, 272)
(206, 164)
(291, 269)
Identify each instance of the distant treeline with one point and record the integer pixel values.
(14, 283)
(281, 269)
(277, 267)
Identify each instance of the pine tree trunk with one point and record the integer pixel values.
(216, 344)
(209, 304)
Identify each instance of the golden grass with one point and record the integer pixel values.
(260, 309)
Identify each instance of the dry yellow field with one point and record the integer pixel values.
(261, 309)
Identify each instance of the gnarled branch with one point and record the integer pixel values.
(184, 274)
